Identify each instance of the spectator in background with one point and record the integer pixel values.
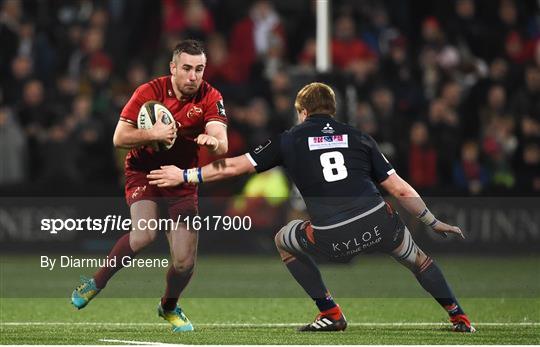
(306, 58)
(495, 105)
(68, 48)
(507, 20)
(32, 109)
(498, 74)
(66, 90)
(188, 18)
(432, 34)
(258, 38)
(279, 91)
(434, 41)
(529, 170)
(518, 49)
(94, 153)
(364, 119)
(220, 68)
(10, 16)
(422, 163)
(499, 144)
(389, 122)
(98, 83)
(93, 42)
(36, 46)
(397, 72)
(12, 149)
(13, 83)
(283, 114)
(530, 129)
(469, 174)
(444, 130)
(467, 30)
(349, 52)
(160, 61)
(257, 119)
(430, 73)
(136, 74)
(99, 19)
(35, 117)
(525, 104)
(379, 32)
(451, 95)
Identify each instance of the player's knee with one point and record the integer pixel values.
(184, 265)
(139, 239)
(285, 238)
(407, 252)
(278, 240)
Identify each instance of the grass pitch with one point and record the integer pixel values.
(252, 300)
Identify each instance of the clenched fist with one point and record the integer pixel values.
(208, 141)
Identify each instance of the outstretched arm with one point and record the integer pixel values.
(413, 203)
(170, 175)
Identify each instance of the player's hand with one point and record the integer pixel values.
(444, 228)
(162, 132)
(208, 141)
(167, 176)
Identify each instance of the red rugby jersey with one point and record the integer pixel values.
(191, 115)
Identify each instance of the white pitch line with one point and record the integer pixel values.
(263, 325)
(130, 342)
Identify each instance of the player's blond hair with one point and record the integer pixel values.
(316, 97)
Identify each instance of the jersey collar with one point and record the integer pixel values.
(170, 90)
(317, 116)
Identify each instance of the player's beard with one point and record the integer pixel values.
(189, 89)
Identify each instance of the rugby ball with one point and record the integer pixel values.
(148, 115)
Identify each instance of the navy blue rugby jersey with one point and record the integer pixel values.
(334, 166)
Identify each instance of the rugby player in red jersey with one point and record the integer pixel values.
(200, 119)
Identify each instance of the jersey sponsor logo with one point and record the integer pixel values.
(329, 141)
(260, 148)
(195, 111)
(328, 129)
(357, 244)
(221, 108)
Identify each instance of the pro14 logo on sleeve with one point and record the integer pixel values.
(330, 141)
(221, 108)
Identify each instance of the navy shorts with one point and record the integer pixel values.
(381, 230)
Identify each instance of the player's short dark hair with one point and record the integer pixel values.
(316, 98)
(191, 47)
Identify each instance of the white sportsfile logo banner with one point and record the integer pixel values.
(330, 141)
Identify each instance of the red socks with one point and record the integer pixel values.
(121, 249)
(176, 282)
(334, 313)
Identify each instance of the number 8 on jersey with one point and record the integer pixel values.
(333, 164)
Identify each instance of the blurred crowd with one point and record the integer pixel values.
(450, 89)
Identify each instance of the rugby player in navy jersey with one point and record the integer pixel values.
(336, 168)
